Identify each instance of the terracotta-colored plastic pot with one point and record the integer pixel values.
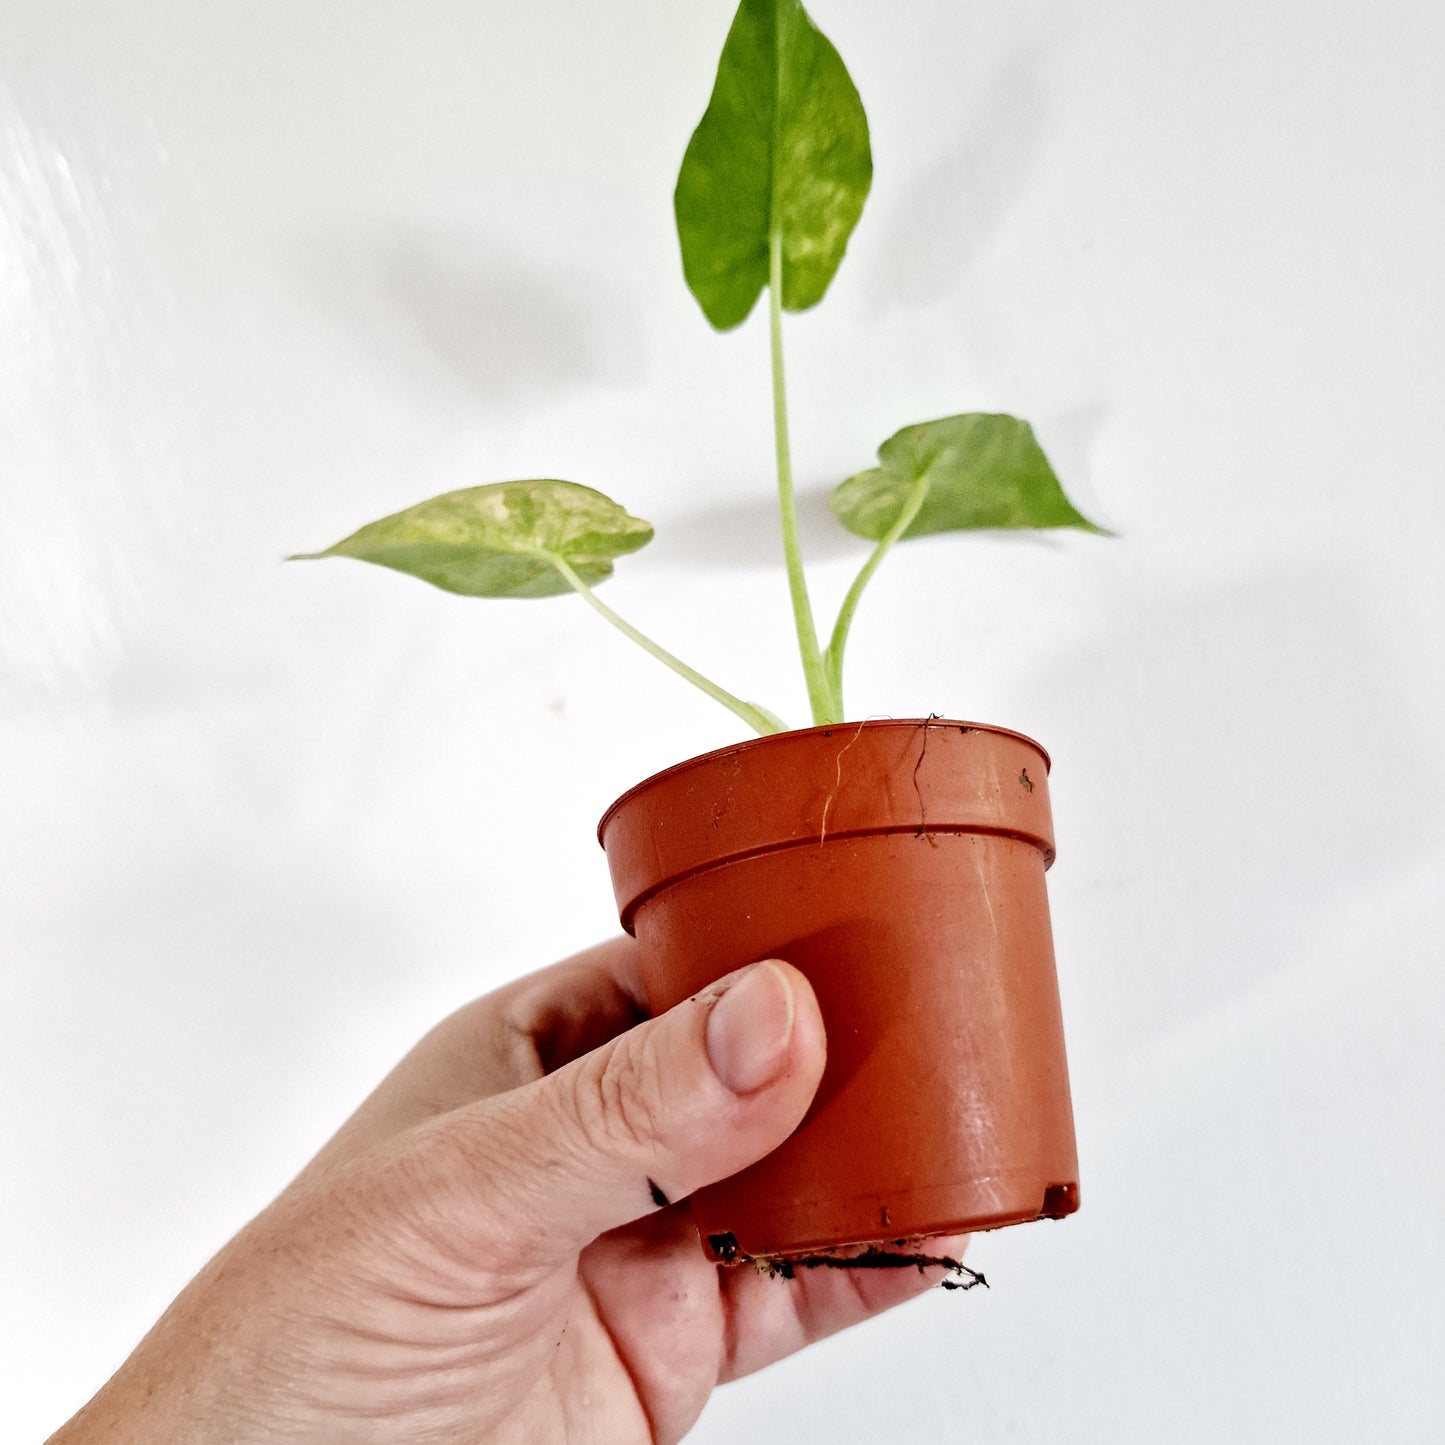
(900, 865)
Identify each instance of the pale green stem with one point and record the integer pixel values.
(757, 718)
(833, 658)
(820, 698)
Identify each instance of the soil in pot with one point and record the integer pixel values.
(900, 865)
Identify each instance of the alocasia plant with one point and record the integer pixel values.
(771, 186)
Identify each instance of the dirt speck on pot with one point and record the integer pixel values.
(724, 1247)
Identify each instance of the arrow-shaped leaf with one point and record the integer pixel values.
(976, 470)
(498, 540)
(783, 145)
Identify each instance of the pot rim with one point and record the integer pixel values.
(868, 723)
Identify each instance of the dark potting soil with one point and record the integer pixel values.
(725, 1247)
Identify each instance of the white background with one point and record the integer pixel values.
(271, 271)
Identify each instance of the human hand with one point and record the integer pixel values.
(481, 1252)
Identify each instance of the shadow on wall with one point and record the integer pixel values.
(1070, 438)
(1240, 759)
(946, 213)
(451, 309)
(743, 536)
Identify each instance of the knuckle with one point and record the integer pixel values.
(425, 1185)
(622, 1104)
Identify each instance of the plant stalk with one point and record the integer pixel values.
(824, 706)
(833, 658)
(757, 718)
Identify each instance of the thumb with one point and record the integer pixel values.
(677, 1102)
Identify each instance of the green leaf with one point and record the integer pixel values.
(979, 470)
(497, 541)
(783, 143)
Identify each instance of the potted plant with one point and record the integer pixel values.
(899, 864)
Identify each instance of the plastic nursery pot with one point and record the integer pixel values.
(899, 865)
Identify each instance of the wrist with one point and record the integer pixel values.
(202, 1376)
